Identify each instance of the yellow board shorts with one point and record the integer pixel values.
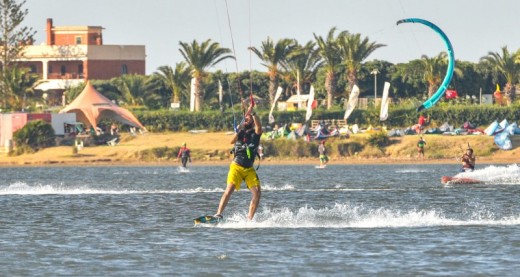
(238, 173)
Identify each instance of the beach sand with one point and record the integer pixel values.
(124, 153)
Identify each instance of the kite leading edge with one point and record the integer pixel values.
(451, 62)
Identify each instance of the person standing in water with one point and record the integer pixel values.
(184, 155)
(324, 159)
(245, 146)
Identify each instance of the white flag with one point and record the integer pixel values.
(278, 93)
(309, 104)
(352, 101)
(384, 103)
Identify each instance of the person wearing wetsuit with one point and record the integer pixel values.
(184, 155)
(245, 145)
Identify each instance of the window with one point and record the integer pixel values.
(33, 68)
(124, 69)
(49, 69)
(63, 70)
(78, 40)
(80, 70)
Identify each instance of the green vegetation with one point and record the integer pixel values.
(33, 136)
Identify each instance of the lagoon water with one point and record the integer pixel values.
(344, 220)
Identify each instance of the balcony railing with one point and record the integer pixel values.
(65, 76)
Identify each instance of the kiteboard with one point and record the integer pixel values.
(207, 219)
(321, 166)
(447, 180)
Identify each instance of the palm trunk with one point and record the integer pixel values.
(272, 87)
(199, 97)
(330, 86)
(509, 92)
(431, 89)
(175, 96)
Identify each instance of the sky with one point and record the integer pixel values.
(474, 27)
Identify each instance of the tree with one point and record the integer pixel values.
(273, 55)
(133, 89)
(433, 69)
(199, 57)
(18, 84)
(508, 65)
(14, 37)
(328, 49)
(175, 81)
(302, 64)
(354, 50)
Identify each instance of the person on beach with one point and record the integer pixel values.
(323, 154)
(420, 148)
(246, 142)
(184, 155)
(468, 160)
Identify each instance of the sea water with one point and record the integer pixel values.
(344, 220)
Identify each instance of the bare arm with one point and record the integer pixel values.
(258, 125)
(234, 139)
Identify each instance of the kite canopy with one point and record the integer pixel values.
(91, 107)
(451, 62)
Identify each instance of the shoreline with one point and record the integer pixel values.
(210, 146)
(263, 162)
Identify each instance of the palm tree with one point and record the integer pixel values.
(18, 83)
(175, 81)
(132, 89)
(433, 69)
(199, 57)
(273, 55)
(509, 66)
(302, 63)
(354, 51)
(328, 49)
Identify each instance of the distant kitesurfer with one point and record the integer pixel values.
(246, 142)
(323, 154)
(468, 160)
(184, 155)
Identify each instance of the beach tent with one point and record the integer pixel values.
(91, 106)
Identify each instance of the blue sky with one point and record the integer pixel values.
(474, 27)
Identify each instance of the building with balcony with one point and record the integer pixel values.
(74, 54)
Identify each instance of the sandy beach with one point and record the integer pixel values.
(126, 152)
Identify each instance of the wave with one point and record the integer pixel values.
(20, 188)
(503, 175)
(347, 216)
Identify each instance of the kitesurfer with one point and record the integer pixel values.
(468, 160)
(323, 154)
(184, 155)
(246, 142)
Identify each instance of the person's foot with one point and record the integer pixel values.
(218, 216)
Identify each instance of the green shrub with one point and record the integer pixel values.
(379, 140)
(34, 135)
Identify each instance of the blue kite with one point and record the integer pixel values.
(451, 62)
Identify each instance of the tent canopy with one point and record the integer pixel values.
(91, 107)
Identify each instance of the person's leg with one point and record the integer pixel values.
(225, 198)
(232, 179)
(255, 199)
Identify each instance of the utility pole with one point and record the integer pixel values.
(375, 72)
